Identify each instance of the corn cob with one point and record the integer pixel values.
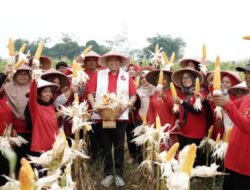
(246, 37)
(19, 64)
(137, 82)
(86, 50)
(172, 151)
(197, 86)
(11, 47)
(160, 81)
(26, 176)
(165, 57)
(144, 119)
(157, 122)
(217, 79)
(217, 139)
(172, 57)
(217, 62)
(75, 69)
(173, 91)
(39, 50)
(156, 48)
(204, 52)
(228, 135)
(189, 160)
(22, 48)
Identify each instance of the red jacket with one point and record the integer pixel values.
(196, 123)
(162, 108)
(238, 153)
(44, 122)
(6, 115)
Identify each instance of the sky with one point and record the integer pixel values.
(220, 24)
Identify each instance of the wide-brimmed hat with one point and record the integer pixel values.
(146, 69)
(92, 54)
(64, 81)
(233, 76)
(2, 79)
(23, 67)
(153, 75)
(234, 90)
(177, 76)
(196, 61)
(243, 69)
(103, 61)
(45, 62)
(42, 84)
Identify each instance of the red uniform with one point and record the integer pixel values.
(238, 153)
(6, 115)
(44, 122)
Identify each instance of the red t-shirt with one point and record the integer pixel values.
(6, 115)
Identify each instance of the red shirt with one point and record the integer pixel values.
(238, 152)
(44, 122)
(196, 124)
(162, 108)
(6, 115)
(112, 84)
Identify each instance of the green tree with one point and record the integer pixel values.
(168, 44)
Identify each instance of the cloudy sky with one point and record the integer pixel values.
(220, 24)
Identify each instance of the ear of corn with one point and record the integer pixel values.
(11, 47)
(210, 132)
(172, 57)
(156, 48)
(26, 176)
(228, 135)
(217, 62)
(144, 119)
(160, 81)
(165, 57)
(197, 86)
(137, 82)
(157, 122)
(189, 160)
(39, 50)
(19, 64)
(75, 69)
(204, 52)
(173, 91)
(217, 79)
(76, 98)
(22, 48)
(172, 151)
(86, 50)
(246, 37)
(217, 139)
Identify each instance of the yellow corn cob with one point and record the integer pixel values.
(62, 134)
(144, 119)
(87, 127)
(246, 37)
(137, 82)
(189, 160)
(210, 132)
(217, 79)
(165, 57)
(19, 64)
(160, 81)
(228, 135)
(156, 48)
(217, 139)
(39, 50)
(217, 62)
(173, 91)
(11, 47)
(197, 86)
(75, 69)
(76, 98)
(172, 57)
(172, 151)
(204, 52)
(22, 48)
(86, 50)
(157, 122)
(26, 176)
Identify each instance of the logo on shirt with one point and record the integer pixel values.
(247, 112)
(123, 77)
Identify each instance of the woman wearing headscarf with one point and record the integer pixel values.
(193, 121)
(6, 119)
(16, 95)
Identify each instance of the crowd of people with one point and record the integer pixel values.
(33, 109)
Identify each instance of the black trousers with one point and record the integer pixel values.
(200, 157)
(114, 137)
(236, 181)
(95, 141)
(4, 169)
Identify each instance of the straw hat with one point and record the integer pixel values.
(45, 62)
(183, 62)
(24, 67)
(103, 61)
(235, 89)
(43, 84)
(64, 81)
(92, 54)
(152, 76)
(177, 75)
(233, 76)
(146, 69)
(243, 69)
